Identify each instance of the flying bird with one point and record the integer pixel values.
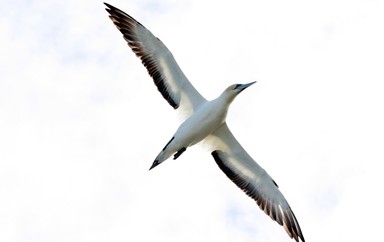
(205, 121)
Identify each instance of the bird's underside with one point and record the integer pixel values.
(229, 155)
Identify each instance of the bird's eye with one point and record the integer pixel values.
(237, 85)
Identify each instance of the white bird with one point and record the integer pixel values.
(205, 122)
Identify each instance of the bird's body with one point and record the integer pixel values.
(194, 129)
(205, 121)
(208, 117)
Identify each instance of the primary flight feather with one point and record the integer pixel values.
(205, 121)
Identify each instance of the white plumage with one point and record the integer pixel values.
(205, 122)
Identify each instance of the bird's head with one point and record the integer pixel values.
(233, 90)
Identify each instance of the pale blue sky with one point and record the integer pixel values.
(81, 121)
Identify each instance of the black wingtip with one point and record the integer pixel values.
(108, 6)
(112, 9)
(302, 238)
(285, 218)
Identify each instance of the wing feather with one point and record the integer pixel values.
(239, 167)
(161, 66)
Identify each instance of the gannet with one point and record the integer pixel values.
(205, 122)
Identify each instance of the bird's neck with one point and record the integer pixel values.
(222, 103)
(226, 99)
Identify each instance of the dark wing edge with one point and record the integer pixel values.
(242, 170)
(127, 26)
(157, 59)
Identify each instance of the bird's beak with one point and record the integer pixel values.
(243, 86)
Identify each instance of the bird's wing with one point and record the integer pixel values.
(239, 166)
(155, 56)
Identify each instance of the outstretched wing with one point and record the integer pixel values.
(162, 67)
(239, 166)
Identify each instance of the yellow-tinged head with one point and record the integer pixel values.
(233, 90)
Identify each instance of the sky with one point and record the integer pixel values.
(81, 121)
